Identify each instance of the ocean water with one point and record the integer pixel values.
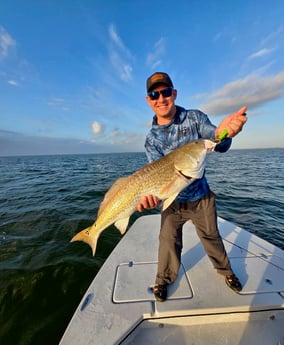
(45, 200)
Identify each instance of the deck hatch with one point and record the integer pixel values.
(134, 280)
(259, 275)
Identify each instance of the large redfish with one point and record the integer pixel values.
(164, 178)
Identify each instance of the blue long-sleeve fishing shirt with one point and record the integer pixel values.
(187, 125)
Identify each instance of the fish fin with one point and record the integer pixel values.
(166, 203)
(172, 189)
(176, 184)
(86, 237)
(111, 192)
(121, 225)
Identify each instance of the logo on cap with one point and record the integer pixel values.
(158, 77)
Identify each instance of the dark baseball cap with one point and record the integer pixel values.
(158, 78)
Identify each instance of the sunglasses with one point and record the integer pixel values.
(154, 95)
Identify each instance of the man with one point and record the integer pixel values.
(172, 127)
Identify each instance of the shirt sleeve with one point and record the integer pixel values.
(224, 145)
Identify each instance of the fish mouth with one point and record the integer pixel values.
(182, 174)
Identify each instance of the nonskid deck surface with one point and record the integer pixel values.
(234, 328)
(119, 306)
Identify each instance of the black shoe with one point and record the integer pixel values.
(233, 282)
(160, 292)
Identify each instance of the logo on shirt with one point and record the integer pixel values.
(184, 131)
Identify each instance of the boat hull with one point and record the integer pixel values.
(119, 306)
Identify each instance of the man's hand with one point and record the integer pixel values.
(232, 123)
(148, 202)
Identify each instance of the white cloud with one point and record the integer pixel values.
(115, 38)
(59, 103)
(251, 91)
(6, 42)
(115, 132)
(225, 35)
(260, 53)
(123, 69)
(97, 128)
(273, 36)
(119, 55)
(126, 73)
(154, 58)
(13, 82)
(131, 141)
(55, 101)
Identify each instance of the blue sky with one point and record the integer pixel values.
(72, 73)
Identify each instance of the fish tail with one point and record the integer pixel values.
(87, 237)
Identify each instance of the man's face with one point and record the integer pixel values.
(164, 106)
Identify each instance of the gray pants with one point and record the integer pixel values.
(204, 217)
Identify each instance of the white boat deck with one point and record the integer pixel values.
(119, 306)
